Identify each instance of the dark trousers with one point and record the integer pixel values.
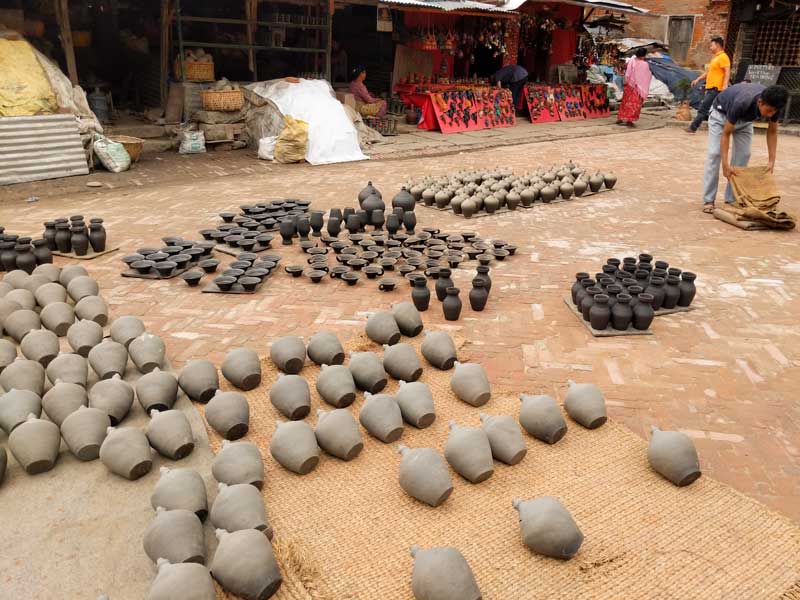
(516, 88)
(705, 108)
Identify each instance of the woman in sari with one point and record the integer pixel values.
(367, 105)
(637, 87)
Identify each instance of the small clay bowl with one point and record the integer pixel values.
(315, 275)
(430, 230)
(182, 260)
(337, 272)
(485, 259)
(415, 262)
(246, 208)
(227, 216)
(373, 271)
(265, 264)
(143, 266)
(454, 261)
(192, 278)
(146, 251)
(241, 264)
(209, 265)
(369, 256)
(351, 278)
(219, 236)
(395, 243)
(294, 270)
(170, 240)
(185, 244)
(406, 269)
(499, 243)
(306, 246)
(411, 277)
(356, 237)
(511, 249)
(233, 240)
(225, 283)
(318, 251)
(171, 250)
(472, 253)
(249, 283)
(257, 272)
(392, 254)
(350, 251)
(432, 273)
(132, 258)
(247, 244)
(387, 263)
(500, 254)
(387, 284)
(195, 253)
(264, 239)
(320, 267)
(337, 246)
(366, 243)
(226, 226)
(469, 235)
(233, 272)
(157, 256)
(343, 259)
(250, 256)
(207, 233)
(251, 226)
(276, 258)
(165, 268)
(357, 263)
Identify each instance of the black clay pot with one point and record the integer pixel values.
(588, 301)
(478, 295)
(8, 256)
(49, 234)
(576, 287)
(687, 287)
(287, 231)
(622, 313)
(409, 221)
(442, 283)
(452, 304)
(392, 224)
(334, 226)
(672, 292)
(316, 220)
(420, 294)
(657, 291)
(643, 312)
(303, 228)
(63, 238)
(79, 240)
(26, 261)
(42, 252)
(599, 313)
(353, 224)
(97, 237)
(483, 273)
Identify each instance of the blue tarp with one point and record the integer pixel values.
(667, 71)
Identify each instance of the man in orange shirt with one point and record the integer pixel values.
(717, 79)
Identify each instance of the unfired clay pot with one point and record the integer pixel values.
(229, 414)
(672, 455)
(548, 528)
(40, 345)
(23, 297)
(585, 404)
(58, 317)
(416, 404)
(291, 397)
(381, 328)
(71, 272)
(157, 390)
(324, 348)
(470, 384)
(126, 452)
(294, 446)
(84, 431)
(181, 488)
(62, 400)
(401, 362)
(69, 368)
(15, 406)
(238, 462)
(442, 574)
(126, 329)
(170, 433)
(82, 286)
(108, 359)
(50, 293)
(199, 380)
(289, 354)
(338, 434)
(3, 463)
(245, 565)
(21, 322)
(35, 445)
(176, 535)
(113, 396)
(83, 336)
(240, 506)
(336, 385)
(367, 370)
(49, 270)
(408, 319)
(381, 416)
(469, 453)
(541, 417)
(184, 580)
(8, 353)
(439, 350)
(505, 438)
(147, 352)
(424, 475)
(242, 368)
(92, 308)
(23, 374)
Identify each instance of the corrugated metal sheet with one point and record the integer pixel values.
(36, 148)
(613, 5)
(449, 5)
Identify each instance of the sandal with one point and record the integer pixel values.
(708, 209)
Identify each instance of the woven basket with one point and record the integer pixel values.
(133, 145)
(223, 100)
(198, 71)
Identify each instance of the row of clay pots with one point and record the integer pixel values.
(73, 236)
(176, 256)
(23, 253)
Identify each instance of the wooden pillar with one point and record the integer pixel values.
(166, 28)
(251, 12)
(62, 17)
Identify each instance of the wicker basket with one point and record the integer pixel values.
(133, 145)
(223, 100)
(198, 71)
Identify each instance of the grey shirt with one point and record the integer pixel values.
(739, 103)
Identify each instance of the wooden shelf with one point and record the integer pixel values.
(222, 21)
(191, 44)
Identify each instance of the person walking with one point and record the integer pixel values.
(732, 117)
(637, 88)
(717, 76)
(512, 77)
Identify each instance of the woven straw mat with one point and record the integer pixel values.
(344, 530)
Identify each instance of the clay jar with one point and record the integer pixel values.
(478, 295)
(336, 386)
(548, 528)
(8, 353)
(21, 322)
(367, 371)
(672, 455)
(672, 292)
(621, 313)
(439, 350)
(170, 433)
(599, 312)
(687, 289)
(245, 565)
(15, 406)
(68, 368)
(443, 283)
(50, 293)
(416, 404)
(238, 462)
(176, 535)
(381, 328)
(108, 359)
(381, 417)
(442, 574)
(338, 434)
(408, 319)
(23, 374)
(187, 580)
(324, 348)
(542, 418)
(157, 390)
(199, 380)
(585, 404)
(289, 354)
(420, 294)
(83, 336)
(238, 507)
(505, 438)
(424, 475)
(401, 362)
(229, 414)
(126, 329)
(242, 368)
(40, 345)
(181, 489)
(147, 352)
(451, 306)
(84, 431)
(35, 445)
(82, 286)
(291, 397)
(469, 453)
(643, 313)
(92, 308)
(62, 400)
(58, 317)
(126, 452)
(294, 447)
(470, 384)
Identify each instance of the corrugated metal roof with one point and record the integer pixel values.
(604, 4)
(43, 147)
(450, 5)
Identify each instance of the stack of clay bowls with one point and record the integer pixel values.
(175, 257)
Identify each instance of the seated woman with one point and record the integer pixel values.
(368, 105)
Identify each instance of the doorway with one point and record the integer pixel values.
(679, 37)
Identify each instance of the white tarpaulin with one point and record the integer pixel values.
(332, 138)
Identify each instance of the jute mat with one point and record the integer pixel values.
(348, 526)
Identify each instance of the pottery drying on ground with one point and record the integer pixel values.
(381, 328)
(294, 446)
(157, 390)
(672, 455)
(50, 293)
(35, 443)
(184, 580)
(8, 353)
(289, 354)
(324, 348)
(240, 506)
(23, 374)
(424, 475)
(126, 329)
(199, 380)
(542, 418)
(113, 396)
(338, 434)
(548, 528)
(407, 318)
(244, 565)
(470, 384)
(585, 404)
(291, 397)
(242, 368)
(23, 297)
(83, 336)
(82, 286)
(401, 362)
(71, 272)
(147, 352)
(126, 452)
(68, 368)
(176, 535)
(3, 463)
(505, 438)
(439, 350)
(181, 489)
(40, 345)
(62, 400)
(21, 322)
(238, 462)
(58, 317)
(381, 417)
(16, 406)
(368, 372)
(170, 433)
(469, 453)
(442, 574)
(108, 359)
(92, 308)
(336, 385)
(229, 414)
(416, 404)
(84, 431)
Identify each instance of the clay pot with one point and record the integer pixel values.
(382, 328)
(199, 380)
(126, 452)
(424, 475)
(92, 308)
(23, 297)
(672, 292)
(324, 348)
(69, 368)
(238, 507)
(58, 317)
(289, 354)
(469, 453)
(416, 404)
(687, 289)
(439, 350)
(157, 390)
(468, 208)
(672, 455)
(35, 443)
(294, 446)
(238, 462)
(420, 294)
(401, 362)
(291, 397)
(547, 527)
(83, 336)
(403, 199)
(8, 353)
(595, 182)
(585, 404)
(84, 431)
(114, 397)
(367, 371)
(229, 414)
(452, 305)
(443, 283)
(245, 565)
(541, 418)
(50, 293)
(643, 313)
(367, 191)
(338, 434)
(470, 384)
(21, 322)
(126, 329)
(408, 318)
(409, 221)
(381, 416)
(334, 226)
(147, 352)
(40, 345)
(82, 286)
(176, 535)
(108, 359)
(335, 384)
(16, 278)
(548, 194)
(505, 438)
(170, 433)
(71, 272)
(478, 295)
(23, 374)
(621, 313)
(442, 574)
(579, 187)
(15, 406)
(186, 580)
(609, 179)
(181, 489)
(599, 312)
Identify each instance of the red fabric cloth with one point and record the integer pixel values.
(631, 105)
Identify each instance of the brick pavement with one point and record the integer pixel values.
(726, 372)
